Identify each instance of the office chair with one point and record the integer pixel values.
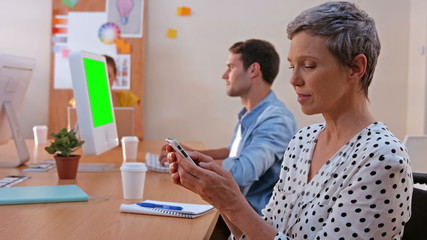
(416, 228)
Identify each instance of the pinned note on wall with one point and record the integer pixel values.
(70, 3)
(57, 30)
(59, 20)
(183, 11)
(123, 47)
(171, 33)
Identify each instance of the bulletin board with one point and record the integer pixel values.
(112, 27)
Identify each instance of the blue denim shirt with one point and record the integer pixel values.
(266, 132)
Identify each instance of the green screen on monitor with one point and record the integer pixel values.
(99, 95)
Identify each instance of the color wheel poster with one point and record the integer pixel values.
(82, 34)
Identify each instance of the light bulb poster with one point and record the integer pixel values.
(128, 15)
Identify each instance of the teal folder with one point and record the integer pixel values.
(42, 194)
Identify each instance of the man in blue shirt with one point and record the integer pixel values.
(265, 125)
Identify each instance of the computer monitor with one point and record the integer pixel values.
(15, 76)
(96, 121)
(124, 120)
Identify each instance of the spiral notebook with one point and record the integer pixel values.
(188, 210)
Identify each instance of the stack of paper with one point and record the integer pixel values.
(422, 186)
(95, 167)
(83, 167)
(40, 167)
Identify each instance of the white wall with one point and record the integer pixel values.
(417, 87)
(25, 31)
(184, 94)
(388, 92)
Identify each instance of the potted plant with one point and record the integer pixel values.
(64, 144)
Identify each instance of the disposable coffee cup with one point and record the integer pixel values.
(129, 148)
(133, 179)
(40, 134)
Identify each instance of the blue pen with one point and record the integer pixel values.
(161, 206)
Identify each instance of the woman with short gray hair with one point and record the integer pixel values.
(346, 178)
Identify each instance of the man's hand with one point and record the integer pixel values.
(163, 155)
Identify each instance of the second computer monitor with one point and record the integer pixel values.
(15, 76)
(96, 120)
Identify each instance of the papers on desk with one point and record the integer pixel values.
(42, 194)
(11, 180)
(188, 210)
(422, 186)
(153, 164)
(95, 167)
(83, 167)
(41, 166)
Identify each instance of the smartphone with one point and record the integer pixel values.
(178, 148)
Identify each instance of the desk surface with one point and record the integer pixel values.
(100, 218)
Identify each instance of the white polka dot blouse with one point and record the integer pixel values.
(363, 192)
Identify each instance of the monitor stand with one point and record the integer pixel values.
(91, 167)
(8, 159)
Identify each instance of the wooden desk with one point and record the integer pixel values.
(100, 218)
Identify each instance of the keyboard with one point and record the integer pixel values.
(153, 164)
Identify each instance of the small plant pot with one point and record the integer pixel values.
(67, 166)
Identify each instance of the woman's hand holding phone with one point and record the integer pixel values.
(178, 148)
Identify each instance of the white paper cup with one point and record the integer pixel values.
(40, 134)
(129, 148)
(133, 179)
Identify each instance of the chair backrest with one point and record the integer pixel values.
(417, 149)
(415, 228)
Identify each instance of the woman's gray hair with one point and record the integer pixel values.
(349, 32)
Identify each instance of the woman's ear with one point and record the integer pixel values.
(359, 66)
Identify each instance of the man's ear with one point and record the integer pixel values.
(359, 66)
(254, 70)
